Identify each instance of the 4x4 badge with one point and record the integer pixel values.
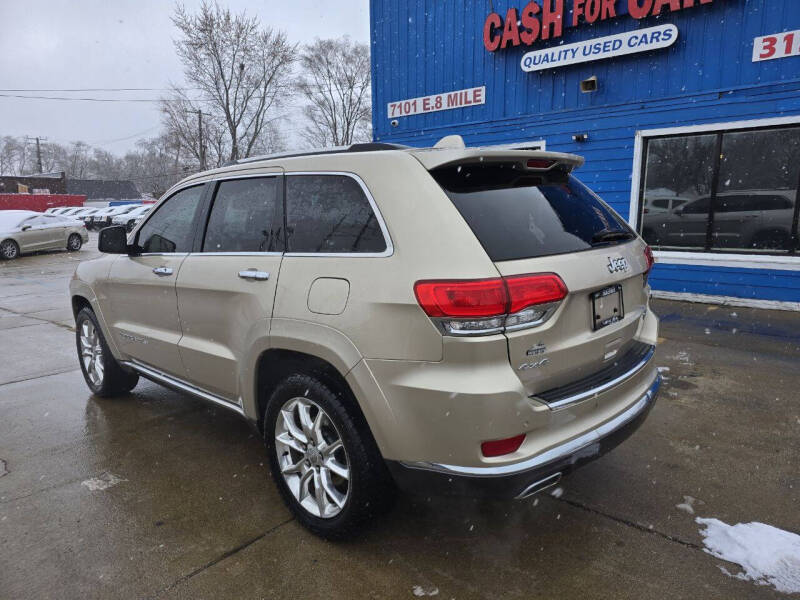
(617, 264)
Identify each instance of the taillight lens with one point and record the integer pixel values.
(648, 256)
(529, 290)
(502, 447)
(479, 298)
(484, 306)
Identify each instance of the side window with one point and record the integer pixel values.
(330, 213)
(171, 228)
(245, 217)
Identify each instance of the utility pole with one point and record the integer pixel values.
(200, 140)
(38, 151)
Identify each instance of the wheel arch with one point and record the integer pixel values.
(275, 364)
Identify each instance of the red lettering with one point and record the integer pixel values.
(552, 21)
(426, 104)
(639, 9)
(674, 5)
(530, 23)
(511, 30)
(477, 95)
(577, 11)
(592, 10)
(452, 100)
(465, 99)
(609, 10)
(491, 40)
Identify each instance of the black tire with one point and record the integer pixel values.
(74, 242)
(9, 250)
(113, 379)
(370, 489)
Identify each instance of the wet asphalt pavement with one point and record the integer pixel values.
(158, 495)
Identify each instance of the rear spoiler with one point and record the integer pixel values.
(433, 158)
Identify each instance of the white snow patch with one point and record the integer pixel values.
(768, 555)
(105, 480)
(420, 591)
(556, 493)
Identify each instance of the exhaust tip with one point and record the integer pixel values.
(539, 486)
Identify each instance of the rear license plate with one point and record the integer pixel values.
(607, 306)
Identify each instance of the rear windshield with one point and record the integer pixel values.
(518, 215)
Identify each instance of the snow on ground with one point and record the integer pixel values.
(768, 555)
(105, 480)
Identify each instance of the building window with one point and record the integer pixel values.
(726, 191)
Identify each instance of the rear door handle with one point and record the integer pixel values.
(162, 271)
(253, 274)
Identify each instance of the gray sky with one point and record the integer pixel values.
(68, 44)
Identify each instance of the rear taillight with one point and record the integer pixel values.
(485, 306)
(648, 257)
(502, 447)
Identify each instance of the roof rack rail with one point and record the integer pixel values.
(361, 147)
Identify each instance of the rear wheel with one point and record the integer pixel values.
(103, 374)
(9, 249)
(74, 242)
(323, 458)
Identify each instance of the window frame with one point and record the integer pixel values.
(709, 256)
(210, 200)
(389, 251)
(201, 207)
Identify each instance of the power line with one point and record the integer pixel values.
(99, 89)
(68, 99)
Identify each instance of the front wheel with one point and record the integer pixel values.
(74, 242)
(9, 249)
(103, 374)
(323, 458)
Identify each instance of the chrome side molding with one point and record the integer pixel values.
(181, 385)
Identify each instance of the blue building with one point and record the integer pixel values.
(687, 112)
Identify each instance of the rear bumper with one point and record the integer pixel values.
(534, 474)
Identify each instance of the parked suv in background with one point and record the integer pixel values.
(451, 320)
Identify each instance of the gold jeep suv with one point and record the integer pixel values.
(450, 319)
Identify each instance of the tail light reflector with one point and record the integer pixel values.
(502, 447)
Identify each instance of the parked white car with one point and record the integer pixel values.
(130, 219)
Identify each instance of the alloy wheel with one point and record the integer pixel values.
(92, 353)
(9, 250)
(312, 457)
(74, 242)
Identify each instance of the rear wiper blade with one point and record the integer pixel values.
(611, 235)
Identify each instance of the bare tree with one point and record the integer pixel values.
(335, 82)
(242, 72)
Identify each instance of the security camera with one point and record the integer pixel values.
(395, 122)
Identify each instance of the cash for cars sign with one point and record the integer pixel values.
(620, 44)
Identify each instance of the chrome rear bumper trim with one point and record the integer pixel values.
(604, 387)
(556, 453)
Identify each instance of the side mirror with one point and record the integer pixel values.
(113, 240)
(25, 227)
